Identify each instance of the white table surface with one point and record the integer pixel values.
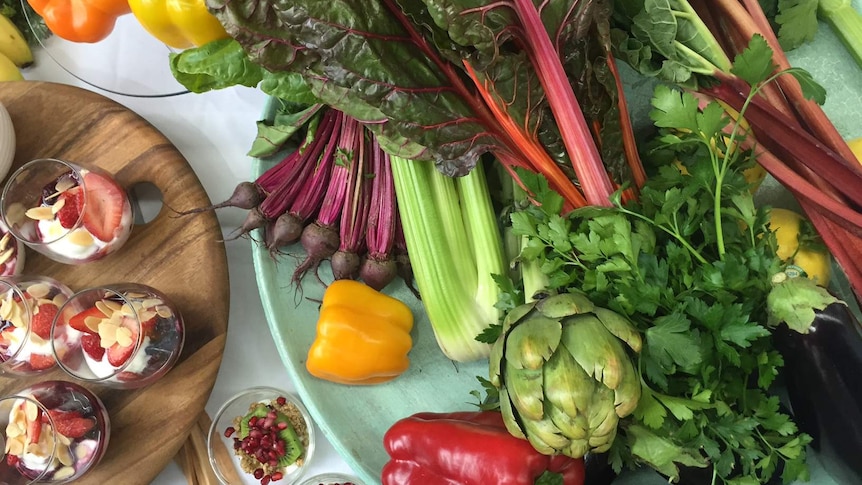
(213, 131)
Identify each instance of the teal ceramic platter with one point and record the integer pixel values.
(354, 418)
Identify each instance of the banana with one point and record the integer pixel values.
(12, 43)
(8, 70)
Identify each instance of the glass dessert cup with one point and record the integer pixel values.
(70, 213)
(54, 432)
(332, 479)
(261, 435)
(28, 305)
(124, 335)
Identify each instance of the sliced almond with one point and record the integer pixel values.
(108, 306)
(38, 290)
(124, 336)
(151, 302)
(64, 184)
(107, 334)
(135, 295)
(64, 439)
(41, 213)
(64, 454)
(164, 311)
(93, 323)
(63, 473)
(12, 430)
(81, 452)
(59, 299)
(16, 446)
(57, 206)
(81, 238)
(4, 241)
(31, 410)
(127, 310)
(6, 255)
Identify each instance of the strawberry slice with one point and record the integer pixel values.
(118, 354)
(42, 320)
(103, 211)
(78, 322)
(41, 362)
(73, 202)
(92, 345)
(71, 424)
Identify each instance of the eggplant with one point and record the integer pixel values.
(823, 376)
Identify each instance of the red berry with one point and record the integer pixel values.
(229, 431)
(103, 210)
(73, 202)
(42, 319)
(92, 345)
(12, 460)
(71, 424)
(78, 321)
(118, 354)
(41, 362)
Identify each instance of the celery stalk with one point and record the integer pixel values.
(846, 22)
(454, 246)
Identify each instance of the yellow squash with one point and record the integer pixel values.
(814, 261)
(363, 336)
(178, 23)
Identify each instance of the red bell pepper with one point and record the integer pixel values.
(467, 448)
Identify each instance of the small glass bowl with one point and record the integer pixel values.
(229, 440)
(70, 213)
(332, 479)
(124, 335)
(28, 305)
(53, 432)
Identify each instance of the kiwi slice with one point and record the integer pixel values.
(259, 411)
(292, 444)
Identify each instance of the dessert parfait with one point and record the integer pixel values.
(54, 432)
(124, 335)
(69, 213)
(28, 305)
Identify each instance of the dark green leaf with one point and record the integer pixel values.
(754, 64)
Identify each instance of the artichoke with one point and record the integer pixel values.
(564, 375)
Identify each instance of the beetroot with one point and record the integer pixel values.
(321, 239)
(378, 268)
(246, 195)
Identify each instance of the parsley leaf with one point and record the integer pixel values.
(797, 20)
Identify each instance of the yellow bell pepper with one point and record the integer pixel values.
(178, 23)
(363, 336)
(814, 261)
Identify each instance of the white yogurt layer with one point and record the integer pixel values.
(35, 345)
(52, 229)
(136, 364)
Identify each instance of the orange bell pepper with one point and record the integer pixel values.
(80, 20)
(363, 336)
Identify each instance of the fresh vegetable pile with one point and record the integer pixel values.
(644, 306)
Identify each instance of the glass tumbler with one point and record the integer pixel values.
(70, 213)
(54, 432)
(124, 335)
(28, 305)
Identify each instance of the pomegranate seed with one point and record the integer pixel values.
(265, 480)
(282, 425)
(237, 444)
(281, 400)
(229, 431)
(258, 474)
(255, 433)
(277, 476)
(252, 421)
(273, 463)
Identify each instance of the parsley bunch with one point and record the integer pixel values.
(691, 264)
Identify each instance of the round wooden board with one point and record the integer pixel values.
(183, 257)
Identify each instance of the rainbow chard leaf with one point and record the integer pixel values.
(450, 80)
